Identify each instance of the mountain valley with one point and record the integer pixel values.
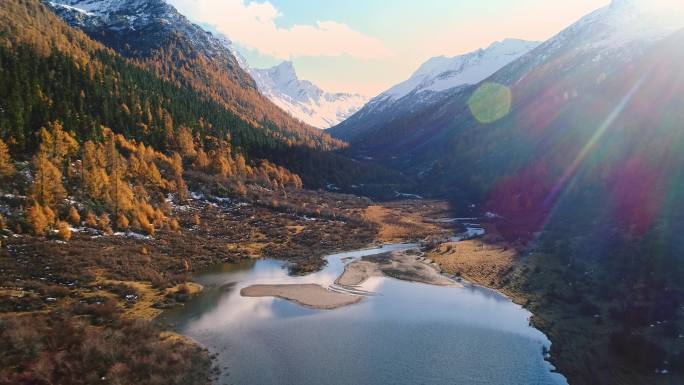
(141, 154)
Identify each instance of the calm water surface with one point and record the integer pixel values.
(408, 333)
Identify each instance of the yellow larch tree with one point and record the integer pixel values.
(177, 171)
(241, 165)
(185, 142)
(63, 230)
(6, 165)
(74, 216)
(57, 144)
(47, 188)
(95, 178)
(35, 216)
(119, 193)
(201, 161)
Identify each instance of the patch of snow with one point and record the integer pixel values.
(406, 195)
(196, 195)
(452, 220)
(71, 8)
(13, 196)
(222, 200)
(472, 232)
(131, 234)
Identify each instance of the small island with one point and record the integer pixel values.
(407, 265)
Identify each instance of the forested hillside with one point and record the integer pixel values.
(155, 36)
(101, 129)
(86, 85)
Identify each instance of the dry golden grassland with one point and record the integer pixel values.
(408, 220)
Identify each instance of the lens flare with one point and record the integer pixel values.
(490, 102)
(571, 170)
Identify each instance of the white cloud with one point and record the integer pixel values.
(252, 24)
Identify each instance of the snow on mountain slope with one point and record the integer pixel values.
(443, 73)
(620, 26)
(139, 27)
(123, 13)
(302, 99)
(606, 38)
(432, 83)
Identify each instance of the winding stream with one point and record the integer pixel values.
(407, 333)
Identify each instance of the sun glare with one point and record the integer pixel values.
(661, 5)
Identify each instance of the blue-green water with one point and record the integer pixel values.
(408, 333)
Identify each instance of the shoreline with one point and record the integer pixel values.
(494, 264)
(461, 280)
(325, 299)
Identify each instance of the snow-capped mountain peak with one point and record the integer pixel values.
(303, 99)
(444, 73)
(622, 24)
(127, 13)
(645, 19)
(652, 5)
(117, 21)
(283, 72)
(139, 28)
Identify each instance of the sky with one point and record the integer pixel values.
(367, 46)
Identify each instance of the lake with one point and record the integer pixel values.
(407, 333)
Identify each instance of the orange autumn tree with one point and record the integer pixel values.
(185, 142)
(58, 145)
(119, 194)
(6, 165)
(40, 218)
(93, 174)
(201, 161)
(47, 188)
(177, 174)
